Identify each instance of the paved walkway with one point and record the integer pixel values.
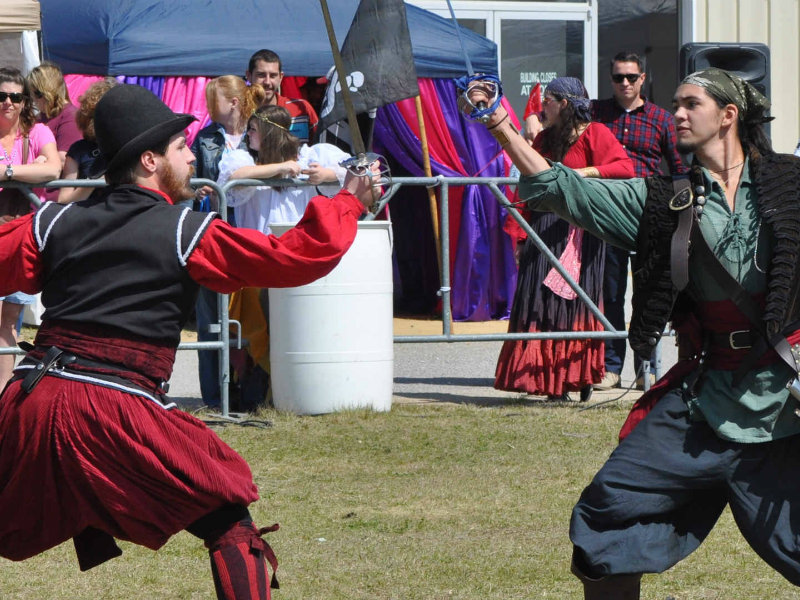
(454, 372)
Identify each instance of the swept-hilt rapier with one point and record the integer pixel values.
(361, 166)
(482, 111)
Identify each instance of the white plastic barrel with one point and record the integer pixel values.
(330, 342)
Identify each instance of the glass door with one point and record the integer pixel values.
(536, 41)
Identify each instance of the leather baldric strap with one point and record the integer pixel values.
(744, 302)
(680, 243)
(687, 239)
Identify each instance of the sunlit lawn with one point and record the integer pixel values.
(425, 502)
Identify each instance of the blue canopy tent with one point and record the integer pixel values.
(148, 41)
(217, 37)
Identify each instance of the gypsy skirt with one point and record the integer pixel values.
(553, 367)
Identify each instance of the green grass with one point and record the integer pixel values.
(425, 502)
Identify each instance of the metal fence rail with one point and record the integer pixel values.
(222, 328)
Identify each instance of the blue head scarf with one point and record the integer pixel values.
(574, 92)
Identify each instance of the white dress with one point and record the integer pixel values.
(258, 207)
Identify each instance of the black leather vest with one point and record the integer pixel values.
(777, 183)
(118, 259)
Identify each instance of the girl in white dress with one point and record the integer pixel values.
(279, 155)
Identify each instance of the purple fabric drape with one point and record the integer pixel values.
(154, 84)
(483, 270)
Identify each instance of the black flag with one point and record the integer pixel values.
(377, 59)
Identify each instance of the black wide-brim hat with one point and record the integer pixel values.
(128, 120)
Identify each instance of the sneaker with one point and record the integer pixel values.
(610, 381)
(640, 381)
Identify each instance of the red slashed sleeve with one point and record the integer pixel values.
(20, 265)
(228, 258)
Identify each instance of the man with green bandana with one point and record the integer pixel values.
(721, 428)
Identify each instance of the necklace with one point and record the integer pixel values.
(9, 159)
(728, 169)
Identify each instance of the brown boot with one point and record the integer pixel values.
(610, 587)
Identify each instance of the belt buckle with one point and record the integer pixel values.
(681, 200)
(733, 344)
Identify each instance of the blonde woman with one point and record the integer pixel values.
(51, 98)
(230, 103)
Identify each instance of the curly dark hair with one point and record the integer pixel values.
(558, 137)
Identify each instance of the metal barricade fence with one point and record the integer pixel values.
(222, 328)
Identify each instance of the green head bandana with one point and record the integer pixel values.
(732, 89)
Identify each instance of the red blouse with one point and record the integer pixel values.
(595, 147)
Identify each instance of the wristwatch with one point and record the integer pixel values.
(9, 172)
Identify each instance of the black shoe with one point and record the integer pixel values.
(586, 392)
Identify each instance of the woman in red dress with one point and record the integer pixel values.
(543, 300)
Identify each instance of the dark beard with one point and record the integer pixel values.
(173, 187)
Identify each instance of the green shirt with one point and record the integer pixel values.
(758, 409)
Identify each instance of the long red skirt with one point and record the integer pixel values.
(549, 367)
(74, 455)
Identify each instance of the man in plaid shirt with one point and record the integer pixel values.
(647, 132)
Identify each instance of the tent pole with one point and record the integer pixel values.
(352, 120)
(426, 163)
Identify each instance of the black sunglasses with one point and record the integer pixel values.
(631, 77)
(16, 97)
(38, 94)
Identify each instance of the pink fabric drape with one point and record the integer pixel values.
(77, 84)
(187, 95)
(181, 94)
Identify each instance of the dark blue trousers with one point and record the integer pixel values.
(664, 487)
(615, 284)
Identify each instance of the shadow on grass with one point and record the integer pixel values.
(461, 381)
(489, 401)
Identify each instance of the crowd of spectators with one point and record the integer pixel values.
(257, 133)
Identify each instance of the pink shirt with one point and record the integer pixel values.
(39, 136)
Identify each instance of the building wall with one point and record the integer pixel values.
(772, 22)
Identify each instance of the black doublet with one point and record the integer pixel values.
(777, 183)
(119, 260)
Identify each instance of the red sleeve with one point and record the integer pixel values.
(607, 155)
(313, 120)
(227, 258)
(19, 257)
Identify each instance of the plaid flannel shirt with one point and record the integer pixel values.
(647, 133)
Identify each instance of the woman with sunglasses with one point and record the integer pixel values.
(28, 154)
(543, 300)
(51, 98)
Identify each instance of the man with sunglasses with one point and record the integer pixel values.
(647, 132)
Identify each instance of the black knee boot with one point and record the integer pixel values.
(610, 587)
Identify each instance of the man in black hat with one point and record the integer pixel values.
(84, 422)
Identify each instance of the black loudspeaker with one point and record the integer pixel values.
(748, 61)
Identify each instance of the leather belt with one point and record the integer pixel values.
(735, 340)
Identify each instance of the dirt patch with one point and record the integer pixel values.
(421, 326)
